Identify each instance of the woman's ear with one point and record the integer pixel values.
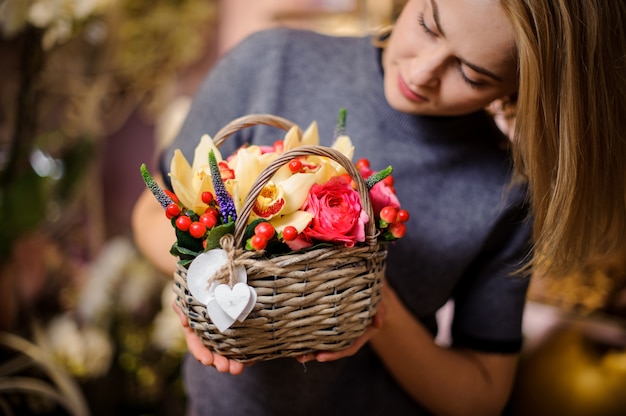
(503, 111)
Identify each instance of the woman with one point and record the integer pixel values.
(417, 104)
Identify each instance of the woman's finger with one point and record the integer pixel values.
(181, 316)
(202, 353)
(325, 356)
(197, 348)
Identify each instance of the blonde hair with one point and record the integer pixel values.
(570, 140)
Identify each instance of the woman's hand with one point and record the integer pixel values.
(325, 356)
(203, 354)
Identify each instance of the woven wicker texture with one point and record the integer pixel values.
(322, 299)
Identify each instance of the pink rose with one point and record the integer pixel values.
(381, 195)
(338, 216)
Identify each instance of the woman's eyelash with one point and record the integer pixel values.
(468, 81)
(422, 23)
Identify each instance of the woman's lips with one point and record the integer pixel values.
(408, 93)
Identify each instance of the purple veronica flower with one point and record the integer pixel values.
(227, 206)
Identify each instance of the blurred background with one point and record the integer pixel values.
(89, 90)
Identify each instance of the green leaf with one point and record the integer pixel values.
(185, 263)
(378, 176)
(188, 242)
(183, 250)
(213, 238)
(340, 125)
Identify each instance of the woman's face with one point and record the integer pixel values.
(449, 57)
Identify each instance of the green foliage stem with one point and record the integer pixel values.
(378, 176)
(154, 187)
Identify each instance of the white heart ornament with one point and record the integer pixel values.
(203, 268)
(233, 301)
(253, 296)
(219, 318)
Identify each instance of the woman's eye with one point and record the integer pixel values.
(422, 23)
(468, 81)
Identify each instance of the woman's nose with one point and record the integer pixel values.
(427, 67)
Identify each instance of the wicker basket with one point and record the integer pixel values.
(322, 299)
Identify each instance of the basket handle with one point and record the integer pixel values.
(270, 170)
(252, 120)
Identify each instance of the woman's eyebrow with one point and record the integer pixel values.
(470, 65)
(433, 5)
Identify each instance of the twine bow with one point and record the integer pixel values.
(235, 257)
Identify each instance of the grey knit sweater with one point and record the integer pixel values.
(468, 229)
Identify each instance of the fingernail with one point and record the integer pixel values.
(305, 358)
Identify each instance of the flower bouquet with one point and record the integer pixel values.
(281, 249)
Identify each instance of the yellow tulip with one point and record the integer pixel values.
(297, 189)
(298, 219)
(247, 164)
(190, 181)
(278, 199)
(327, 169)
(287, 197)
(200, 164)
(309, 137)
(344, 145)
(281, 198)
(269, 202)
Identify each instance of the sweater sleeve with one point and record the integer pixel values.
(489, 302)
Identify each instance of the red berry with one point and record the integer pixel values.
(403, 215)
(208, 219)
(207, 197)
(258, 242)
(362, 163)
(295, 166)
(290, 233)
(172, 210)
(183, 222)
(388, 214)
(397, 229)
(212, 211)
(197, 229)
(265, 229)
(279, 146)
(388, 181)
